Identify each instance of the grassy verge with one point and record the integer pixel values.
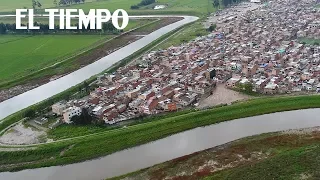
(284, 156)
(93, 146)
(190, 32)
(310, 41)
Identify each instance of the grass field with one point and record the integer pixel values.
(285, 156)
(21, 55)
(7, 39)
(199, 7)
(173, 6)
(310, 41)
(123, 138)
(11, 5)
(188, 33)
(133, 23)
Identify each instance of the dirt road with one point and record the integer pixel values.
(222, 95)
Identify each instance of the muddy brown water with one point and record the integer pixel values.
(174, 146)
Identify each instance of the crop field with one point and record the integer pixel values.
(21, 55)
(173, 6)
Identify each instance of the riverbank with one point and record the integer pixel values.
(291, 154)
(101, 144)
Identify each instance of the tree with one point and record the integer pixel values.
(108, 27)
(83, 119)
(55, 3)
(216, 3)
(62, 2)
(248, 87)
(39, 4)
(29, 113)
(134, 7)
(212, 27)
(34, 4)
(3, 28)
(86, 86)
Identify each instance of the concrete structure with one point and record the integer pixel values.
(71, 112)
(59, 107)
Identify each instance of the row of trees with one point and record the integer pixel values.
(36, 4)
(225, 3)
(44, 29)
(143, 3)
(67, 2)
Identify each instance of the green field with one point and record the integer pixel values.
(310, 41)
(6, 39)
(187, 34)
(174, 6)
(199, 7)
(12, 5)
(22, 55)
(25, 55)
(110, 141)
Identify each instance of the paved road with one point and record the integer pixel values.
(50, 89)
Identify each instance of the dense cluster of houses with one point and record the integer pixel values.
(165, 80)
(260, 47)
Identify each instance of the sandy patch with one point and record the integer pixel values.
(21, 135)
(304, 131)
(222, 95)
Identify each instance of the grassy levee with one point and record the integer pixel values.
(100, 144)
(282, 155)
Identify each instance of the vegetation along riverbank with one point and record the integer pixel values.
(118, 139)
(286, 155)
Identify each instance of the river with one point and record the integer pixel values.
(52, 88)
(174, 146)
